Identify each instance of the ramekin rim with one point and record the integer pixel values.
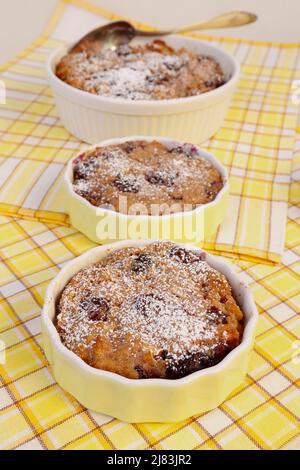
(140, 104)
(247, 338)
(216, 163)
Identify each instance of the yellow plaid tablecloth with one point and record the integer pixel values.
(35, 413)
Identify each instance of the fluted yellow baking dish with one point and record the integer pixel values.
(155, 400)
(105, 226)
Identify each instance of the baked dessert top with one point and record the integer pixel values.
(146, 177)
(153, 71)
(157, 311)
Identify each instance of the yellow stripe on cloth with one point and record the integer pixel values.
(256, 141)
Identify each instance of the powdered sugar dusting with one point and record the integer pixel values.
(167, 324)
(147, 173)
(154, 71)
(164, 299)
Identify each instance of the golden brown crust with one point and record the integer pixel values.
(154, 71)
(147, 176)
(157, 311)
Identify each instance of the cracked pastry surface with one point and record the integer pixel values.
(153, 71)
(146, 177)
(157, 311)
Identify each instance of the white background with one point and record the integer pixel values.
(21, 21)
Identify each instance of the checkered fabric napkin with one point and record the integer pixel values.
(256, 142)
(35, 413)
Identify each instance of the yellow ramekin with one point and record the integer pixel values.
(106, 226)
(146, 400)
(92, 118)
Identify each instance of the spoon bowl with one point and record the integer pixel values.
(107, 37)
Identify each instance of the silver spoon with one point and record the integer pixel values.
(118, 33)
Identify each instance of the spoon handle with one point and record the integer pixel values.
(227, 20)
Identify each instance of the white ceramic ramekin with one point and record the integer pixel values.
(146, 400)
(92, 118)
(106, 226)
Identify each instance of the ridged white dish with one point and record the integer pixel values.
(150, 400)
(92, 118)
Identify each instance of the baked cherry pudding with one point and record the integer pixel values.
(159, 311)
(159, 177)
(153, 71)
